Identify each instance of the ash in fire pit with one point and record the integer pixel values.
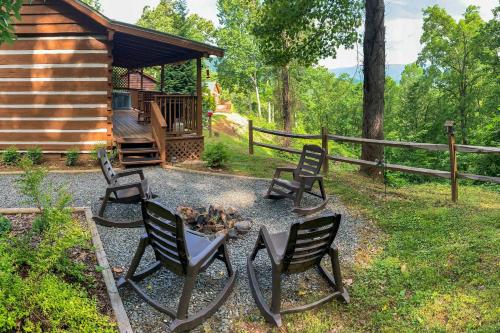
(215, 219)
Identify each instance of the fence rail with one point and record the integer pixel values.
(451, 147)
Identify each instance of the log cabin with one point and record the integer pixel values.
(56, 86)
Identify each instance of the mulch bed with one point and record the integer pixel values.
(22, 223)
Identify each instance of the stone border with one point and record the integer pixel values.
(114, 297)
(19, 172)
(207, 173)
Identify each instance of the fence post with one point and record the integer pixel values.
(250, 137)
(324, 145)
(453, 159)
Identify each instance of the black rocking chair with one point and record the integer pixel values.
(296, 251)
(184, 253)
(303, 178)
(123, 193)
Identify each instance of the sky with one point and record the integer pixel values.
(403, 23)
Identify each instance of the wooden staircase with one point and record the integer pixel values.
(138, 151)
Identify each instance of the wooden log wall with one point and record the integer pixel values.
(54, 81)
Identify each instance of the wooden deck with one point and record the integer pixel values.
(125, 125)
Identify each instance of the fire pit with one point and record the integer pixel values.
(214, 220)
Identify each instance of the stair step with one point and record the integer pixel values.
(138, 150)
(134, 140)
(140, 160)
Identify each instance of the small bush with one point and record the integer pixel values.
(5, 225)
(215, 156)
(95, 149)
(72, 157)
(11, 156)
(52, 203)
(35, 155)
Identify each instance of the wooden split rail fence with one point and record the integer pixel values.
(452, 147)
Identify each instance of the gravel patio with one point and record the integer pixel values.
(176, 188)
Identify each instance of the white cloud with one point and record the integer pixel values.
(205, 8)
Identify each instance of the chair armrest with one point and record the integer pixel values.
(196, 262)
(268, 242)
(279, 170)
(305, 177)
(114, 188)
(126, 173)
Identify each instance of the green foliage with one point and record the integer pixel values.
(5, 225)
(11, 156)
(43, 288)
(241, 71)
(9, 11)
(95, 150)
(216, 155)
(35, 155)
(72, 156)
(52, 203)
(451, 53)
(45, 291)
(306, 32)
(96, 4)
(172, 16)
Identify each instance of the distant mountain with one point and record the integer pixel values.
(392, 70)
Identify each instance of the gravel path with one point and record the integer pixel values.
(198, 190)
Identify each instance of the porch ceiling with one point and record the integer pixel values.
(136, 47)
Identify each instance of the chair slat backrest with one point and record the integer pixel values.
(106, 167)
(309, 241)
(310, 162)
(166, 235)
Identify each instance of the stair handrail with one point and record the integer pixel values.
(159, 130)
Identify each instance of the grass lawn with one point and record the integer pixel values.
(427, 264)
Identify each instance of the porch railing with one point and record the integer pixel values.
(179, 112)
(158, 129)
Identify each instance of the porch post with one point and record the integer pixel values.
(162, 78)
(128, 78)
(142, 78)
(199, 96)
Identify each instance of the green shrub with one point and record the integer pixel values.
(95, 149)
(215, 156)
(35, 155)
(5, 225)
(52, 203)
(11, 156)
(72, 156)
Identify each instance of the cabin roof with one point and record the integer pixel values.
(136, 47)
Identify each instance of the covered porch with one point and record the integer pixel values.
(154, 126)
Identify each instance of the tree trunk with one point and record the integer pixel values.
(257, 95)
(269, 115)
(463, 117)
(374, 81)
(287, 114)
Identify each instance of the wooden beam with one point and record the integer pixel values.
(388, 143)
(162, 78)
(287, 135)
(449, 125)
(477, 149)
(142, 78)
(199, 96)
